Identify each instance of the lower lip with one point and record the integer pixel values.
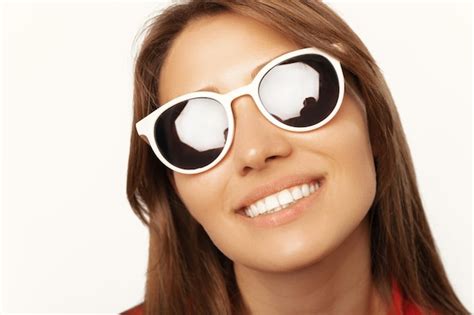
(286, 215)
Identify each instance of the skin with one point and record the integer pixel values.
(319, 263)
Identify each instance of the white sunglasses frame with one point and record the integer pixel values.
(145, 127)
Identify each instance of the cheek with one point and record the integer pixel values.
(353, 178)
(202, 194)
(353, 162)
(204, 198)
(345, 144)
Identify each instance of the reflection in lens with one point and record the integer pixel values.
(192, 134)
(301, 91)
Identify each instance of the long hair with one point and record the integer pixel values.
(186, 271)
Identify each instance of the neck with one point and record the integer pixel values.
(340, 283)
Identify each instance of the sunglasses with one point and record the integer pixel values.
(298, 91)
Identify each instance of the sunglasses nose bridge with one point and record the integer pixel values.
(243, 90)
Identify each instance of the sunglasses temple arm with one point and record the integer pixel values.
(141, 130)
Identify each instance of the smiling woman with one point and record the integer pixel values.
(270, 165)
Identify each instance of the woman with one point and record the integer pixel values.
(270, 165)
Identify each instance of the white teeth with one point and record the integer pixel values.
(271, 202)
(253, 210)
(296, 193)
(261, 206)
(285, 197)
(281, 199)
(305, 190)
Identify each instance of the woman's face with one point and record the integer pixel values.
(222, 51)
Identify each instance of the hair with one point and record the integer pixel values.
(181, 255)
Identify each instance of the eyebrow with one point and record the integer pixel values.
(254, 72)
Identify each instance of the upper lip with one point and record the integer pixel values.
(272, 187)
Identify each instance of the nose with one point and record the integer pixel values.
(257, 142)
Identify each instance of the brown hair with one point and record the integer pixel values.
(185, 270)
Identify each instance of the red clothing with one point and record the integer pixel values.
(136, 310)
(400, 306)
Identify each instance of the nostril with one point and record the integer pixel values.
(270, 158)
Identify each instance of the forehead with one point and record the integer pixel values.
(220, 50)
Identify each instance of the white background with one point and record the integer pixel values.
(70, 242)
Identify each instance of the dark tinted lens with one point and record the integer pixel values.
(300, 92)
(192, 133)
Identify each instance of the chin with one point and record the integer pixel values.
(293, 258)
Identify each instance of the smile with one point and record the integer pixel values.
(278, 215)
(281, 199)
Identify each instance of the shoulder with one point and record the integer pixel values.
(135, 310)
